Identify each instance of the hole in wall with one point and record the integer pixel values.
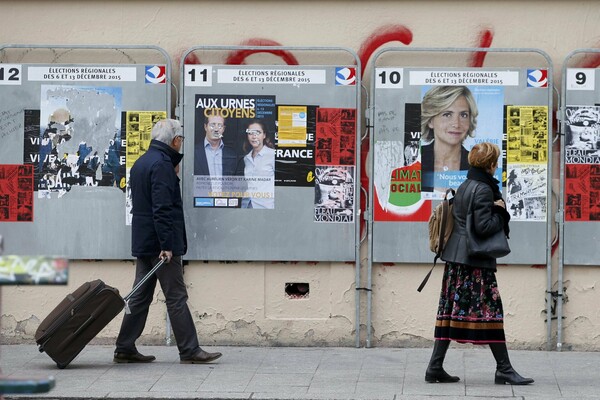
(297, 290)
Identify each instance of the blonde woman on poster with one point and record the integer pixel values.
(448, 117)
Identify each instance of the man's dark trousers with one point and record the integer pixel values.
(171, 281)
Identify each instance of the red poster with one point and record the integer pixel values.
(336, 136)
(16, 193)
(582, 192)
(404, 202)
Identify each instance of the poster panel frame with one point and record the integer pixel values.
(90, 223)
(580, 100)
(392, 245)
(302, 237)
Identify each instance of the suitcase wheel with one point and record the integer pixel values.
(61, 366)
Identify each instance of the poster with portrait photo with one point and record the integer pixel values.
(457, 127)
(227, 130)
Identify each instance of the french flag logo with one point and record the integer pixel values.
(345, 76)
(156, 74)
(537, 78)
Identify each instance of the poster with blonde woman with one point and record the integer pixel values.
(453, 119)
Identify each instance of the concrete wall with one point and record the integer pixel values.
(244, 303)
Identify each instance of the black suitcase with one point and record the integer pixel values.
(80, 317)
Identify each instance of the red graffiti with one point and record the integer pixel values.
(485, 41)
(386, 34)
(192, 58)
(238, 57)
(592, 60)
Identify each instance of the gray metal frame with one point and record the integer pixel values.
(314, 249)
(426, 256)
(582, 236)
(102, 220)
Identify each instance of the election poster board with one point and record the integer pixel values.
(426, 120)
(270, 165)
(581, 163)
(68, 134)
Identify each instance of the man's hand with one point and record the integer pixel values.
(166, 255)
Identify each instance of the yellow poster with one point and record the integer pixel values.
(527, 134)
(138, 130)
(292, 126)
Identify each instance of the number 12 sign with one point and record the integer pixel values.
(10, 74)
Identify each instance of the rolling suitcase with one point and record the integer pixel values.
(80, 316)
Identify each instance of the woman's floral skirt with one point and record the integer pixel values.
(470, 308)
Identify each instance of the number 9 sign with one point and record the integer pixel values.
(581, 79)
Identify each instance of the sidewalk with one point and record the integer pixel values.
(305, 373)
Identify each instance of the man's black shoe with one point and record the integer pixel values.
(201, 357)
(125, 358)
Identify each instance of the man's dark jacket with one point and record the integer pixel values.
(232, 164)
(158, 222)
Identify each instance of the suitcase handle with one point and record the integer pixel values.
(142, 281)
(84, 326)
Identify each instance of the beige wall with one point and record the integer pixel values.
(244, 303)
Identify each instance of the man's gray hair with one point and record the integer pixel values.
(166, 130)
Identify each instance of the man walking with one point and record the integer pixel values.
(158, 231)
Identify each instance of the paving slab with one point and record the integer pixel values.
(296, 373)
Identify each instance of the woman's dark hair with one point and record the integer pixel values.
(267, 142)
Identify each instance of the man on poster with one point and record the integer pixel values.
(212, 156)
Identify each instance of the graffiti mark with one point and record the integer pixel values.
(591, 60)
(385, 34)
(238, 57)
(192, 58)
(35, 270)
(486, 37)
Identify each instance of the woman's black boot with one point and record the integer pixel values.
(435, 372)
(505, 373)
